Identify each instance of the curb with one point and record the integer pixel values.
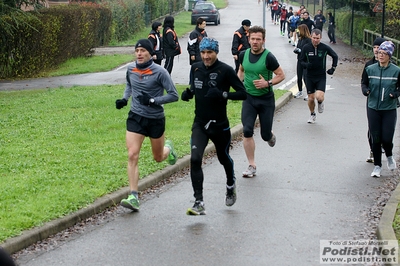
(385, 229)
(34, 235)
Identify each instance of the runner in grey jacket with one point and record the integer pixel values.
(149, 78)
(145, 84)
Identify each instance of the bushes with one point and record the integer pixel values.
(51, 37)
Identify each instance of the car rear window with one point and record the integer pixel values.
(203, 6)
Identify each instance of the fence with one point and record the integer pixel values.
(368, 40)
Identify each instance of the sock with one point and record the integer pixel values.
(135, 193)
(230, 187)
(313, 113)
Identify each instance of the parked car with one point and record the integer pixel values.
(206, 10)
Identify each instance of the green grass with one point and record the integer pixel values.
(103, 63)
(63, 148)
(396, 223)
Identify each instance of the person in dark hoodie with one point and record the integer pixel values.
(306, 20)
(211, 83)
(156, 39)
(195, 38)
(171, 44)
(375, 48)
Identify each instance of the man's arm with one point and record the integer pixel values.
(279, 76)
(240, 73)
(240, 91)
(192, 43)
(334, 56)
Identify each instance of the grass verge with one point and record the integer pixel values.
(63, 148)
(103, 63)
(396, 223)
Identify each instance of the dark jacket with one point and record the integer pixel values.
(154, 35)
(240, 41)
(309, 23)
(319, 21)
(301, 43)
(314, 59)
(170, 42)
(221, 76)
(193, 47)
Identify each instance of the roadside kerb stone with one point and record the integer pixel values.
(34, 235)
(385, 229)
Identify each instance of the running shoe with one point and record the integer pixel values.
(298, 94)
(312, 118)
(377, 171)
(230, 196)
(370, 159)
(272, 141)
(172, 157)
(250, 171)
(197, 209)
(321, 107)
(306, 97)
(391, 163)
(131, 203)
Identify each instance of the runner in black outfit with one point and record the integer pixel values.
(313, 58)
(211, 80)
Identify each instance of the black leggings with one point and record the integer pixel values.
(300, 75)
(283, 26)
(381, 125)
(169, 63)
(221, 137)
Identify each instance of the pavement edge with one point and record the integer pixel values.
(36, 234)
(385, 229)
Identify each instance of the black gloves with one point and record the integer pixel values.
(330, 71)
(187, 95)
(214, 92)
(145, 99)
(120, 103)
(366, 92)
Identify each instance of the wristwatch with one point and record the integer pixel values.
(225, 95)
(151, 101)
(269, 83)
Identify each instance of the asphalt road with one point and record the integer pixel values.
(313, 185)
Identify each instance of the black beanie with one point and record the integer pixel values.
(146, 44)
(379, 41)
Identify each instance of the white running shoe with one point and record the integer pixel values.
(312, 119)
(377, 171)
(250, 171)
(298, 94)
(306, 97)
(321, 107)
(391, 163)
